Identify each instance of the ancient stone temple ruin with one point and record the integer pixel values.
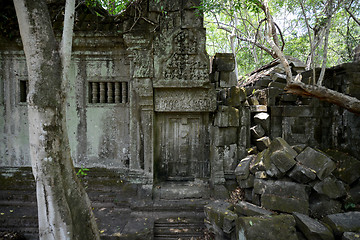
(161, 128)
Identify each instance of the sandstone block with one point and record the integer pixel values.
(224, 62)
(242, 170)
(258, 108)
(263, 119)
(280, 144)
(236, 96)
(355, 193)
(321, 205)
(282, 160)
(317, 161)
(311, 228)
(219, 213)
(351, 236)
(246, 183)
(348, 167)
(302, 174)
(281, 227)
(343, 222)
(262, 143)
(227, 117)
(330, 187)
(248, 209)
(284, 204)
(257, 131)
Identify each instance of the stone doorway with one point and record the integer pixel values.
(180, 151)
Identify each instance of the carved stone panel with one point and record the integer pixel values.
(182, 151)
(185, 100)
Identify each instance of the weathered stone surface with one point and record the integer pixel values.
(227, 117)
(282, 160)
(317, 161)
(330, 187)
(248, 209)
(257, 163)
(355, 193)
(224, 136)
(281, 227)
(242, 170)
(321, 205)
(350, 236)
(280, 144)
(261, 175)
(284, 204)
(277, 77)
(230, 157)
(236, 96)
(257, 131)
(262, 143)
(224, 62)
(343, 222)
(263, 119)
(258, 108)
(302, 174)
(219, 213)
(348, 167)
(246, 183)
(270, 168)
(253, 100)
(311, 228)
(282, 195)
(227, 79)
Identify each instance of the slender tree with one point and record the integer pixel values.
(64, 209)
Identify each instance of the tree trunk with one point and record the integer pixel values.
(64, 209)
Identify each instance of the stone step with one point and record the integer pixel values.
(178, 228)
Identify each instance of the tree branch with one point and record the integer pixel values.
(352, 104)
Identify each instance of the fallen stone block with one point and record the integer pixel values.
(261, 175)
(246, 183)
(348, 167)
(219, 213)
(321, 205)
(282, 196)
(262, 143)
(257, 163)
(248, 209)
(281, 227)
(284, 204)
(343, 222)
(277, 77)
(279, 144)
(284, 161)
(330, 187)
(224, 62)
(257, 131)
(311, 228)
(263, 119)
(242, 170)
(354, 193)
(302, 174)
(351, 236)
(317, 161)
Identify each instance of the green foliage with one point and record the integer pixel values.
(82, 172)
(114, 7)
(220, 22)
(348, 206)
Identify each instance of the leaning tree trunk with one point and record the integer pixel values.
(64, 209)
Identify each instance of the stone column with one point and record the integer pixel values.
(141, 103)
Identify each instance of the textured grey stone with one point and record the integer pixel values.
(321, 205)
(248, 209)
(257, 163)
(330, 187)
(236, 96)
(355, 193)
(351, 236)
(257, 131)
(311, 228)
(343, 222)
(280, 144)
(262, 143)
(219, 213)
(258, 108)
(242, 170)
(302, 174)
(282, 160)
(348, 167)
(246, 183)
(227, 117)
(281, 227)
(317, 161)
(224, 62)
(263, 119)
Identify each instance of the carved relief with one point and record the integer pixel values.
(184, 63)
(184, 100)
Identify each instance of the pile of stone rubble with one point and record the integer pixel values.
(293, 192)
